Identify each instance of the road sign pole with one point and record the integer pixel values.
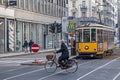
(35, 49)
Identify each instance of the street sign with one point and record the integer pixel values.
(35, 48)
(71, 27)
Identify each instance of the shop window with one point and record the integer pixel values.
(40, 35)
(26, 31)
(2, 35)
(33, 32)
(19, 34)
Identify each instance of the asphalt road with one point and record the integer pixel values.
(89, 69)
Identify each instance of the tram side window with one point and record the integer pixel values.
(86, 35)
(99, 32)
(93, 35)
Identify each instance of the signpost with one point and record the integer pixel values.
(35, 48)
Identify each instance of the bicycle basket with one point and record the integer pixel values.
(49, 57)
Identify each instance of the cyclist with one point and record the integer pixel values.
(64, 51)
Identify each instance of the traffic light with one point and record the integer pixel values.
(52, 28)
(59, 28)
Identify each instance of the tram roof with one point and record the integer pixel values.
(95, 25)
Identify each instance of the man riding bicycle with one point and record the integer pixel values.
(64, 51)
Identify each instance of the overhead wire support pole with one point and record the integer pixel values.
(99, 12)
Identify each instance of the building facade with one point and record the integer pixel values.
(94, 11)
(28, 20)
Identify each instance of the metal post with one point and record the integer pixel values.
(55, 35)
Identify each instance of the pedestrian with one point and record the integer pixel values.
(30, 45)
(64, 51)
(25, 46)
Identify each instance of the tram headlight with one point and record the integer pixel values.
(86, 47)
(100, 46)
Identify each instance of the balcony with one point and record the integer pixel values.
(74, 10)
(83, 7)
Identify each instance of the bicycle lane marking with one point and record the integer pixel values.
(97, 68)
(116, 76)
(63, 70)
(24, 74)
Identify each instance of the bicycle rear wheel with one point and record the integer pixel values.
(72, 66)
(50, 66)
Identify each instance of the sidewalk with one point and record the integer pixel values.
(3, 55)
(40, 56)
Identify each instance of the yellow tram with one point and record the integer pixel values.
(94, 40)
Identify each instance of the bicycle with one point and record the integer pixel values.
(51, 65)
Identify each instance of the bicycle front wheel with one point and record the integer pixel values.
(72, 66)
(50, 66)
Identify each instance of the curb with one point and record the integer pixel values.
(6, 55)
(14, 54)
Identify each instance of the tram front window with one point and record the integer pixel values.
(86, 35)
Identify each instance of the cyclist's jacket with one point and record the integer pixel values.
(64, 51)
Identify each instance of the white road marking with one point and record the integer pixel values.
(62, 71)
(116, 76)
(13, 69)
(17, 61)
(23, 74)
(97, 69)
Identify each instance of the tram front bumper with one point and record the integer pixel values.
(86, 54)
